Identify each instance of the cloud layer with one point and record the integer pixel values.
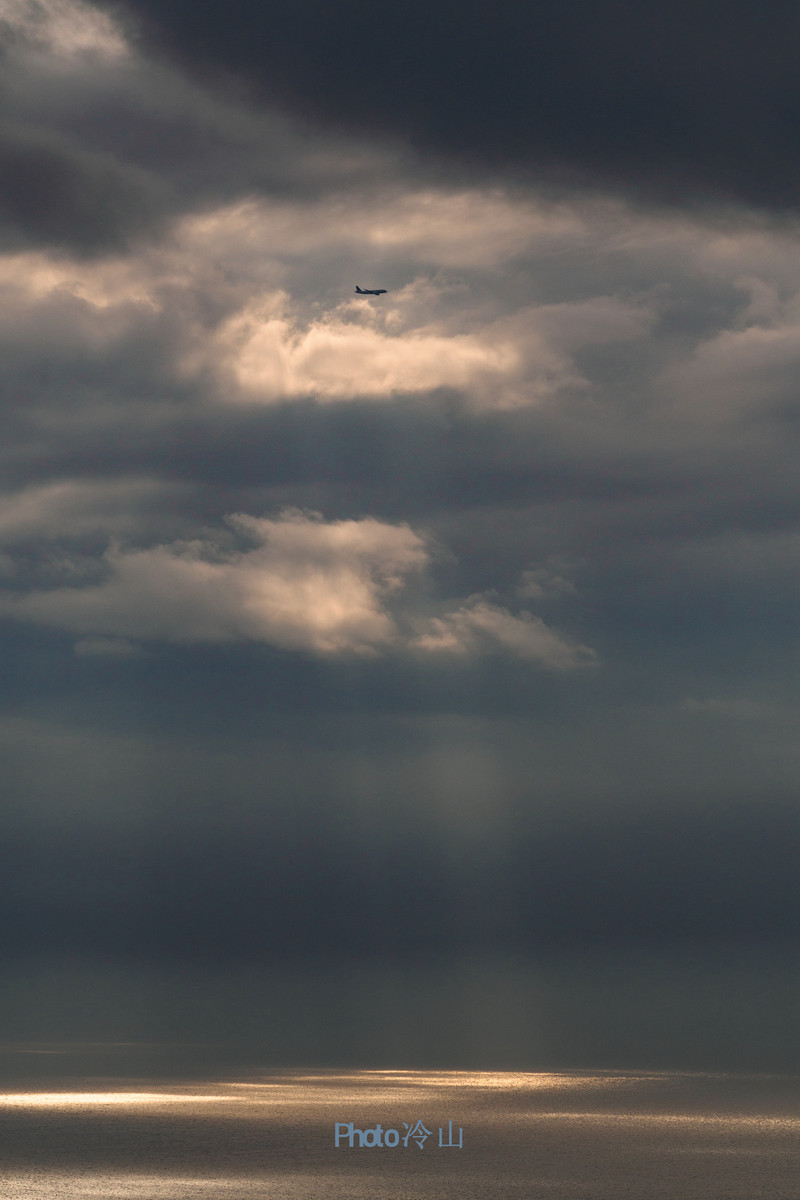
(303, 585)
(457, 618)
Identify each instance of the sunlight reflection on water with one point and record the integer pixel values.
(563, 1136)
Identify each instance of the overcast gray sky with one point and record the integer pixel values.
(440, 645)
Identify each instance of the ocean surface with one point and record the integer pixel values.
(557, 1135)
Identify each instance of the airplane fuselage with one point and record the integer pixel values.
(370, 291)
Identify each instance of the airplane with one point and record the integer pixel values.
(370, 291)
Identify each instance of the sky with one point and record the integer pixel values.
(401, 680)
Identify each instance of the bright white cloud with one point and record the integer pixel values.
(67, 29)
(243, 323)
(301, 584)
(479, 624)
(266, 349)
(32, 276)
(354, 352)
(73, 507)
(473, 228)
(306, 585)
(271, 358)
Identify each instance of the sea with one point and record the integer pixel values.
(257, 1133)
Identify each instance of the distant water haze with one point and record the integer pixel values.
(682, 1008)
(562, 1135)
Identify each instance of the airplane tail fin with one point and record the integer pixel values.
(358, 289)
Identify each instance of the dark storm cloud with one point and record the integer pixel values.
(655, 98)
(57, 194)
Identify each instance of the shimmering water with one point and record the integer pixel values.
(559, 1136)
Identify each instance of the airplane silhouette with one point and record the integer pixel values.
(370, 291)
